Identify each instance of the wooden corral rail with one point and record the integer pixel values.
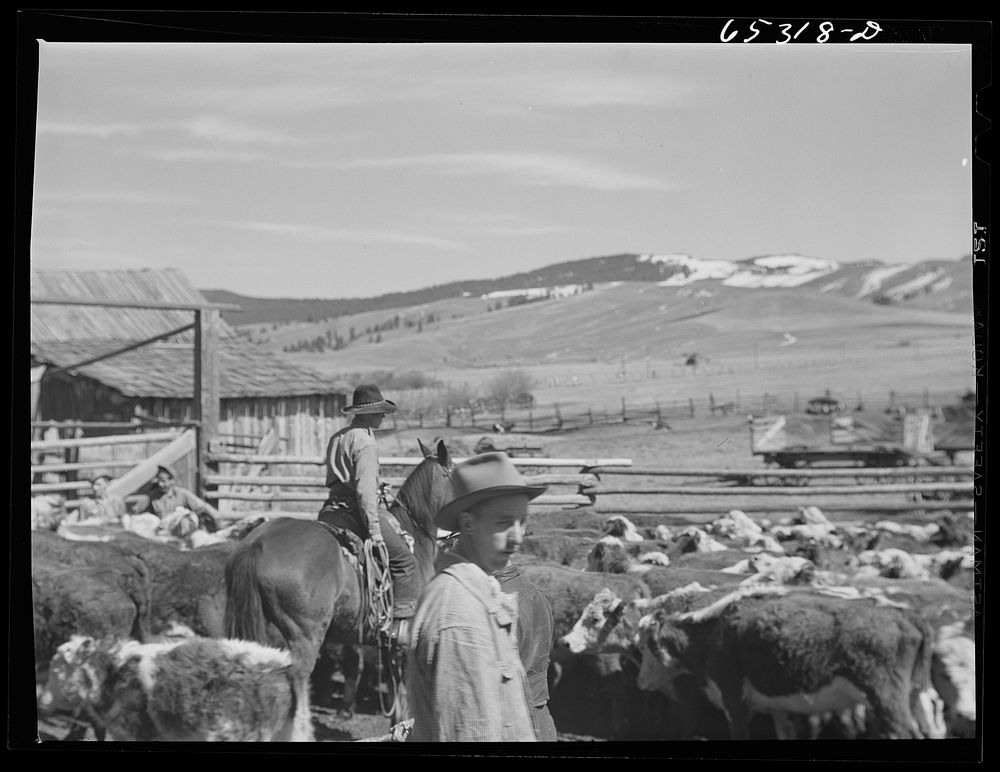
(269, 487)
(591, 480)
(114, 439)
(806, 474)
(817, 490)
(580, 463)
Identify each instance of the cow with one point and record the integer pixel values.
(893, 563)
(188, 690)
(694, 539)
(764, 567)
(622, 527)
(778, 650)
(608, 627)
(953, 672)
(738, 528)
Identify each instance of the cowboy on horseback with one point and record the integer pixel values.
(352, 475)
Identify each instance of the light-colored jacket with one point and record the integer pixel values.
(465, 680)
(352, 459)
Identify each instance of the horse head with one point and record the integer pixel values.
(426, 489)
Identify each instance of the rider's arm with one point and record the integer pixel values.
(366, 484)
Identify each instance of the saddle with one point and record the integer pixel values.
(352, 547)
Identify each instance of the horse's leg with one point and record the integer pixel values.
(401, 707)
(352, 666)
(322, 677)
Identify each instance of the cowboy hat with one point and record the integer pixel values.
(368, 399)
(168, 469)
(480, 478)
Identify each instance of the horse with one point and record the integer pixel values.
(289, 577)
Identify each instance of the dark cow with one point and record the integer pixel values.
(772, 649)
(194, 690)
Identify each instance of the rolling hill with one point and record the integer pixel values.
(944, 285)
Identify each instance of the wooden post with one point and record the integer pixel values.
(659, 418)
(765, 404)
(447, 416)
(205, 404)
(624, 418)
(420, 417)
(531, 421)
(691, 405)
(927, 398)
(590, 417)
(558, 418)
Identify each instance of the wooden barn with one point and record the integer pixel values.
(151, 372)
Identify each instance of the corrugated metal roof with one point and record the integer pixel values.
(166, 370)
(51, 323)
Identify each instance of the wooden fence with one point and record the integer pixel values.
(130, 459)
(289, 485)
(565, 417)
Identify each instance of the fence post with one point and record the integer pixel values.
(927, 398)
(590, 417)
(472, 414)
(624, 419)
(691, 406)
(558, 418)
(447, 416)
(420, 417)
(765, 405)
(531, 420)
(659, 418)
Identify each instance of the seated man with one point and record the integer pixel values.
(103, 507)
(171, 497)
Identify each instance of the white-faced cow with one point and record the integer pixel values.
(192, 689)
(781, 650)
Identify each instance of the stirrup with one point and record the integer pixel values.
(399, 632)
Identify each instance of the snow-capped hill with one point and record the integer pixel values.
(766, 271)
(689, 269)
(781, 271)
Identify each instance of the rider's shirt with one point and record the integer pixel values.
(352, 471)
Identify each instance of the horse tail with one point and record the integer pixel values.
(244, 617)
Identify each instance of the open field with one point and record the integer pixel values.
(633, 341)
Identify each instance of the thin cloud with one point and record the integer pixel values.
(219, 129)
(111, 197)
(203, 154)
(101, 130)
(313, 233)
(525, 168)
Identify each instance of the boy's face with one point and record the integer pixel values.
(493, 530)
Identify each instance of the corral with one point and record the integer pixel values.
(597, 695)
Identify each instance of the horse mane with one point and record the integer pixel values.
(413, 496)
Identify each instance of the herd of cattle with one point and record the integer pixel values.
(737, 629)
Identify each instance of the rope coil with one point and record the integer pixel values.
(378, 619)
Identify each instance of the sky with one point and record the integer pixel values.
(353, 169)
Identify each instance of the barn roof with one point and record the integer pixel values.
(62, 323)
(65, 335)
(165, 370)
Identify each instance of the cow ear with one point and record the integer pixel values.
(442, 453)
(423, 449)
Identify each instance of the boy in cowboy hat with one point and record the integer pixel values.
(465, 678)
(352, 475)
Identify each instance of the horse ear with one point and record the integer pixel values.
(423, 449)
(442, 453)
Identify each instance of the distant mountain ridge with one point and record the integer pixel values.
(944, 285)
